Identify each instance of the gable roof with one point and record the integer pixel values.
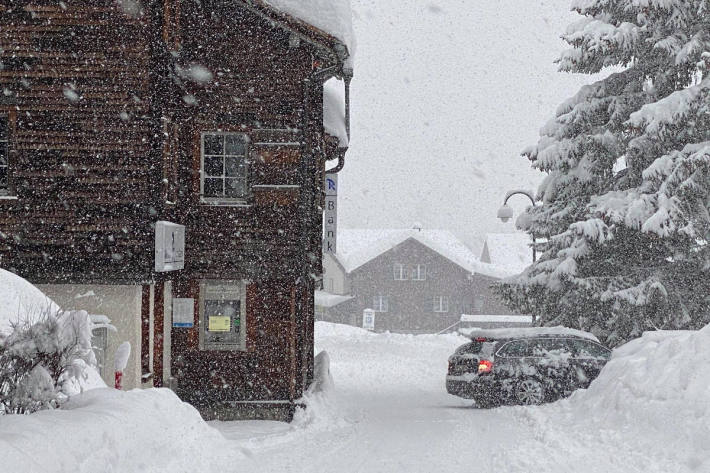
(358, 246)
(508, 250)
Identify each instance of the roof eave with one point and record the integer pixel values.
(332, 48)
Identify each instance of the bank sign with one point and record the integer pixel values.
(330, 213)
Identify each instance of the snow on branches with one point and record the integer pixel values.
(626, 245)
(43, 359)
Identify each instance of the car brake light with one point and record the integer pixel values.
(485, 366)
(480, 339)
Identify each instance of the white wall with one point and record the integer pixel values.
(121, 304)
(333, 271)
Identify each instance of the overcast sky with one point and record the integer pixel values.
(445, 96)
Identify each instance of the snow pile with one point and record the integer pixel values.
(108, 430)
(652, 396)
(45, 353)
(398, 365)
(334, 17)
(334, 110)
(322, 409)
(20, 300)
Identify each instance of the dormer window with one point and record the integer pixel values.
(224, 167)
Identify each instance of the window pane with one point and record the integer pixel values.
(213, 188)
(214, 144)
(234, 188)
(3, 177)
(213, 166)
(3, 128)
(234, 167)
(235, 144)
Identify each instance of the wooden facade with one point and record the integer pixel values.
(107, 105)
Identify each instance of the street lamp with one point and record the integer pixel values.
(505, 213)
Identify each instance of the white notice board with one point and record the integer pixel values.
(183, 312)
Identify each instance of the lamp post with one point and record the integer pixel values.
(505, 213)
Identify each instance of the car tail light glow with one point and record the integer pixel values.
(485, 366)
(480, 339)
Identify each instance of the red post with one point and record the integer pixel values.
(118, 376)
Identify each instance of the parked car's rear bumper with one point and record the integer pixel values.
(467, 388)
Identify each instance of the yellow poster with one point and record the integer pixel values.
(218, 324)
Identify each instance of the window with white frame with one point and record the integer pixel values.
(441, 304)
(224, 166)
(418, 272)
(380, 303)
(4, 154)
(400, 272)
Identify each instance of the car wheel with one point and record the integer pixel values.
(530, 392)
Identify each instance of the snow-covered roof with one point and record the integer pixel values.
(358, 246)
(20, 300)
(334, 110)
(326, 299)
(333, 17)
(498, 333)
(509, 250)
(518, 319)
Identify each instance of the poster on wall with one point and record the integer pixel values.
(183, 312)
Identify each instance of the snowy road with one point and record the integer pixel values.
(647, 412)
(391, 413)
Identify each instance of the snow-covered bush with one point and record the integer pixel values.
(42, 359)
(625, 212)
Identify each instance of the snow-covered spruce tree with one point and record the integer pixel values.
(625, 206)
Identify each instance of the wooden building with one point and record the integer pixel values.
(416, 281)
(117, 115)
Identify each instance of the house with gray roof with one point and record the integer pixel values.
(416, 280)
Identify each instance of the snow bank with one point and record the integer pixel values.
(20, 300)
(115, 431)
(651, 399)
(391, 364)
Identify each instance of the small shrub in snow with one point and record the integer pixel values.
(43, 359)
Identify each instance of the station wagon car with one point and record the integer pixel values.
(524, 366)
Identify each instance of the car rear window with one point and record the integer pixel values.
(470, 348)
(514, 349)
